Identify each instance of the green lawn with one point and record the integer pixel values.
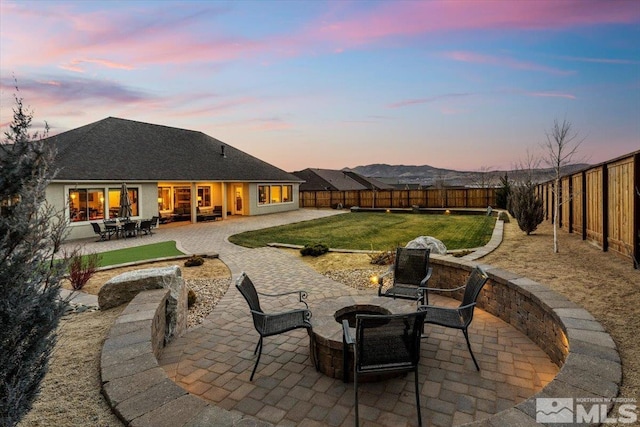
(139, 253)
(377, 231)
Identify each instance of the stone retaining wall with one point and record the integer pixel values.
(135, 386)
(590, 366)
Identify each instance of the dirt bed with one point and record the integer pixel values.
(604, 284)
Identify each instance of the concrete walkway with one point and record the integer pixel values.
(214, 360)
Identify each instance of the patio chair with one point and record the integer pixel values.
(458, 317)
(411, 272)
(145, 226)
(130, 229)
(268, 324)
(384, 344)
(103, 233)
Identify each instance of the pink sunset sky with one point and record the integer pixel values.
(465, 84)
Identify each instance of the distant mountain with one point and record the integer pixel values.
(428, 175)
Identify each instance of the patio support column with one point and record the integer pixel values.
(194, 203)
(223, 188)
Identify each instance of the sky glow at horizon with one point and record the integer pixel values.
(467, 85)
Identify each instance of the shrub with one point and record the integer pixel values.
(526, 208)
(191, 298)
(503, 216)
(194, 261)
(382, 258)
(503, 193)
(81, 269)
(314, 250)
(31, 234)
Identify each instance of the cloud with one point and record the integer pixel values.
(393, 19)
(551, 95)
(63, 89)
(134, 35)
(417, 101)
(503, 61)
(601, 60)
(75, 65)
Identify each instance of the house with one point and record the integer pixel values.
(170, 172)
(337, 180)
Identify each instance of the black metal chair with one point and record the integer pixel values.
(458, 317)
(103, 233)
(130, 229)
(276, 323)
(411, 272)
(145, 226)
(384, 344)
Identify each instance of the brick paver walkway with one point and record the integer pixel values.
(214, 360)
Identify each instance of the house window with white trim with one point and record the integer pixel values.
(86, 204)
(272, 194)
(204, 196)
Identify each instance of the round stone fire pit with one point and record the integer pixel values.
(327, 318)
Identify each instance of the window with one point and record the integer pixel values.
(114, 201)
(164, 198)
(86, 204)
(204, 196)
(89, 204)
(274, 194)
(183, 198)
(263, 194)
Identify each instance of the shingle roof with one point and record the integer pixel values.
(127, 150)
(369, 182)
(327, 179)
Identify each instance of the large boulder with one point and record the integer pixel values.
(424, 242)
(124, 287)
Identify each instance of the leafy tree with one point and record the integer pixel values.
(30, 235)
(525, 207)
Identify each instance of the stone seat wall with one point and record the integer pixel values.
(589, 362)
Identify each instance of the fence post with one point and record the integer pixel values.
(636, 211)
(605, 208)
(584, 205)
(570, 203)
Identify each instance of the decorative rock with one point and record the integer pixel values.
(424, 242)
(124, 287)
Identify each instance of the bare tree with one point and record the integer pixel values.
(561, 146)
(484, 177)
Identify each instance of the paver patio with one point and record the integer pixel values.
(214, 361)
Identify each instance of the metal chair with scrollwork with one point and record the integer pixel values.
(267, 324)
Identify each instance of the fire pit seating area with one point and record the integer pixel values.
(140, 392)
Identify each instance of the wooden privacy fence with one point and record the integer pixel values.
(602, 203)
(427, 198)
